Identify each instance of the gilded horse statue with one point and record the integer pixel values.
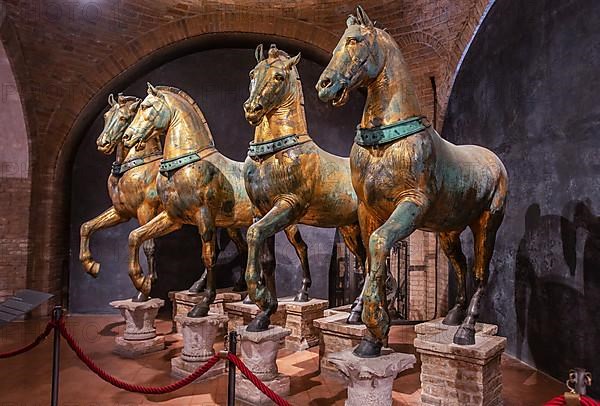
(407, 177)
(288, 177)
(131, 184)
(196, 184)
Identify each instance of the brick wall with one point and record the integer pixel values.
(64, 53)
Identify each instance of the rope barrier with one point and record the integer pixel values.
(49, 327)
(560, 401)
(257, 382)
(149, 390)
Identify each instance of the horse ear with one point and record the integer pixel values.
(121, 98)
(351, 21)
(133, 108)
(111, 100)
(151, 89)
(258, 53)
(291, 62)
(363, 17)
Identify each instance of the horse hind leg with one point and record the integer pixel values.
(484, 235)
(295, 238)
(242, 247)
(352, 238)
(450, 243)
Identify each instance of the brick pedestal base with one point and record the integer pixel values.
(299, 317)
(460, 374)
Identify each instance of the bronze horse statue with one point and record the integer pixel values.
(196, 184)
(131, 184)
(288, 177)
(407, 177)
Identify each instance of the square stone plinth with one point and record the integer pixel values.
(181, 368)
(454, 374)
(247, 393)
(337, 310)
(184, 300)
(241, 314)
(370, 380)
(436, 326)
(136, 348)
(336, 335)
(299, 317)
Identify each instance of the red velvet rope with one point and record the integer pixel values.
(150, 390)
(257, 382)
(32, 345)
(583, 400)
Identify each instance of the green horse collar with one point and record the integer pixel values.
(119, 169)
(368, 137)
(258, 149)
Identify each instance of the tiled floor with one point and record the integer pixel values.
(25, 380)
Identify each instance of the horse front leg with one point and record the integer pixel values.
(295, 238)
(352, 238)
(242, 247)
(403, 221)
(108, 218)
(150, 251)
(157, 227)
(262, 292)
(208, 235)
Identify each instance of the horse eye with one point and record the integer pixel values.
(351, 41)
(122, 118)
(279, 77)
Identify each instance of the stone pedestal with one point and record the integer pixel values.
(259, 353)
(299, 317)
(240, 314)
(337, 310)
(370, 380)
(199, 335)
(336, 336)
(183, 301)
(436, 326)
(140, 336)
(460, 374)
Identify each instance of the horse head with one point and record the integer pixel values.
(116, 121)
(272, 80)
(151, 120)
(356, 60)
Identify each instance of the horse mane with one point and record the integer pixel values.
(186, 97)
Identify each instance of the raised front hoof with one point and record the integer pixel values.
(240, 286)
(140, 297)
(200, 310)
(465, 335)
(354, 318)
(455, 316)
(301, 297)
(260, 323)
(368, 349)
(197, 287)
(92, 267)
(248, 300)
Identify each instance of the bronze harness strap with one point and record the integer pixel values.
(170, 165)
(258, 149)
(119, 169)
(369, 137)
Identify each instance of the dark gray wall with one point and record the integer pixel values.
(529, 90)
(218, 81)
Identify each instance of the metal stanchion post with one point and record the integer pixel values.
(231, 386)
(56, 315)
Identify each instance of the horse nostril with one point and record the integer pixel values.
(257, 108)
(325, 82)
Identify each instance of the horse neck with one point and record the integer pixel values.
(391, 96)
(152, 146)
(289, 118)
(187, 132)
(121, 152)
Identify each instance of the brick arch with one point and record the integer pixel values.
(56, 149)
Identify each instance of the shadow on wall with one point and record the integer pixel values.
(557, 305)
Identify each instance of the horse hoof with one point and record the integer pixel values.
(354, 318)
(197, 287)
(301, 297)
(240, 286)
(465, 335)
(140, 297)
(248, 300)
(92, 267)
(146, 285)
(260, 323)
(455, 316)
(368, 349)
(200, 310)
